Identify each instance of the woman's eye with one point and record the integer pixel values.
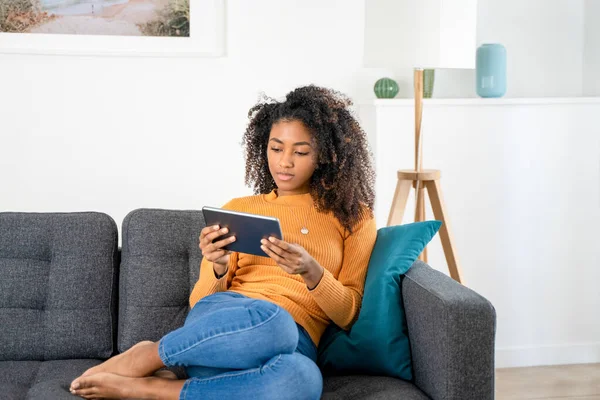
(301, 154)
(275, 149)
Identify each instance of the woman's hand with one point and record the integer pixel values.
(294, 259)
(213, 251)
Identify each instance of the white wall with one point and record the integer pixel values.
(591, 57)
(115, 134)
(544, 42)
(521, 187)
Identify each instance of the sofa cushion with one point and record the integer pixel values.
(377, 343)
(369, 388)
(40, 379)
(160, 263)
(58, 286)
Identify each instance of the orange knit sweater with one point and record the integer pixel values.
(344, 257)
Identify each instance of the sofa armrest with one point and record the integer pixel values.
(452, 332)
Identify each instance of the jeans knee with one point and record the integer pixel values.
(302, 377)
(277, 324)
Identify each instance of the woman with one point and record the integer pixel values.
(255, 322)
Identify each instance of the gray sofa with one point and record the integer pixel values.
(69, 299)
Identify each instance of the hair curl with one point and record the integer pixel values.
(344, 179)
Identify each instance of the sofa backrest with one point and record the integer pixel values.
(160, 263)
(58, 282)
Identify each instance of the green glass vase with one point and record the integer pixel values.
(386, 88)
(428, 80)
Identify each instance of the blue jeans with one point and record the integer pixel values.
(236, 347)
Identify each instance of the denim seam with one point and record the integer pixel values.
(162, 354)
(225, 334)
(184, 389)
(244, 372)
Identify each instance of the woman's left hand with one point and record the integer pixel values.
(294, 259)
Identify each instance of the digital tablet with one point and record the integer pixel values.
(248, 229)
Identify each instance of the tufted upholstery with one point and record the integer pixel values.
(40, 380)
(57, 292)
(160, 264)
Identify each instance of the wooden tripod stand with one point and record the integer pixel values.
(421, 179)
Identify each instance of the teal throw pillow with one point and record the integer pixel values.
(377, 343)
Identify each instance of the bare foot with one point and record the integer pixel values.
(140, 360)
(105, 385)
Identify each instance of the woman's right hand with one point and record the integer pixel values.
(213, 251)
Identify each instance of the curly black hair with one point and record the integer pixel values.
(344, 179)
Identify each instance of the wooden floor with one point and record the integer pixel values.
(562, 382)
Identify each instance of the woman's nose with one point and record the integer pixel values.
(285, 161)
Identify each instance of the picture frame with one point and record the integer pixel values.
(207, 39)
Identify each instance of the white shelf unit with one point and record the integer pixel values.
(521, 183)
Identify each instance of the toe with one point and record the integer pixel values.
(85, 393)
(75, 384)
(82, 383)
(87, 387)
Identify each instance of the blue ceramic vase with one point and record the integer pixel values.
(491, 70)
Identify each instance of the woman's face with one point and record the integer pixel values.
(292, 157)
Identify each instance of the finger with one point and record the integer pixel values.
(276, 257)
(215, 234)
(279, 251)
(208, 229)
(208, 239)
(220, 244)
(204, 241)
(214, 255)
(280, 243)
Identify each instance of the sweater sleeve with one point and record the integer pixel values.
(341, 298)
(208, 283)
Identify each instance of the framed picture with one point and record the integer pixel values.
(113, 27)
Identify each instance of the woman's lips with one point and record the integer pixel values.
(285, 177)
